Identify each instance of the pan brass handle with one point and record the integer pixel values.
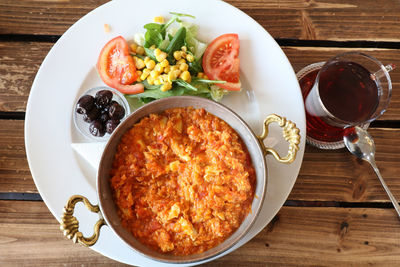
(70, 225)
(290, 133)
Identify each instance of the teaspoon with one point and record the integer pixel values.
(360, 143)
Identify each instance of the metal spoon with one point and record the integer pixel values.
(360, 143)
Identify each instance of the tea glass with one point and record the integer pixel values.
(350, 89)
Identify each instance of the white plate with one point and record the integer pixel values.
(68, 70)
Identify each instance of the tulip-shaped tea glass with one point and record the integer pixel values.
(351, 89)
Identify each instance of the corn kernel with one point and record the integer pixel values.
(200, 75)
(140, 50)
(205, 77)
(180, 61)
(189, 58)
(183, 66)
(146, 59)
(172, 76)
(152, 47)
(185, 76)
(177, 55)
(133, 47)
(139, 63)
(139, 73)
(159, 68)
(150, 80)
(158, 19)
(184, 48)
(174, 67)
(157, 52)
(166, 86)
(145, 74)
(167, 69)
(150, 64)
(154, 74)
(183, 54)
(157, 82)
(161, 56)
(177, 72)
(164, 63)
(163, 78)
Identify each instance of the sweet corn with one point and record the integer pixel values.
(140, 50)
(150, 64)
(167, 69)
(139, 63)
(159, 68)
(177, 72)
(166, 86)
(152, 47)
(180, 61)
(163, 78)
(158, 19)
(171, 76)
(145, 74)
(183, 66)
(157, 52)
(162, 56)
(146, 59)
(139, 73)
(205, 77)
(177, 55)
(184, 48)
(164, 63)
(183, 54)
(200, 75)
(174, 67)
(150, 80)
(185, 76)
(157, 82)
(154, 74)
(133, 47)
(189, 58)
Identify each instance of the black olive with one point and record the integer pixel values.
(116, 111)
(103, 98)
(104, 117)
(91, 115)
(85, 104)
(111, 125)
(96, 128)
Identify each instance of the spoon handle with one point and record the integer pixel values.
(392, 198)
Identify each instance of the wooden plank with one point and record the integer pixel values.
(19, 62)
(297, 19)
(295, 237)
(15, 176)
(324, 176)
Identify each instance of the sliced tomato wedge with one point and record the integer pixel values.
(221, 61)
(116, 67)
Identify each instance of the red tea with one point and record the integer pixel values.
(347, 91)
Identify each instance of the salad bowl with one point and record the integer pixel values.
(108, 211)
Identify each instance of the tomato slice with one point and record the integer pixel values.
(116, 67)
(221, 61)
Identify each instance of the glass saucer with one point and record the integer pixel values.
(306, 79)
(83, 127)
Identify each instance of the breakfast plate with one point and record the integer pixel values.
(269, 86)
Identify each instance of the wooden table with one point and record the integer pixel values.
(337, 213)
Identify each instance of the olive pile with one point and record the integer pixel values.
(103, 113)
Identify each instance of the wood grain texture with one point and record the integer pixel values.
(296, 19)
(324, 176)
(295, 237)
(15, 175)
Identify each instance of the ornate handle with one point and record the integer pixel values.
(290, 133)
(70, 225)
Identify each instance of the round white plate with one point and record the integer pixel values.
(269, 82)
